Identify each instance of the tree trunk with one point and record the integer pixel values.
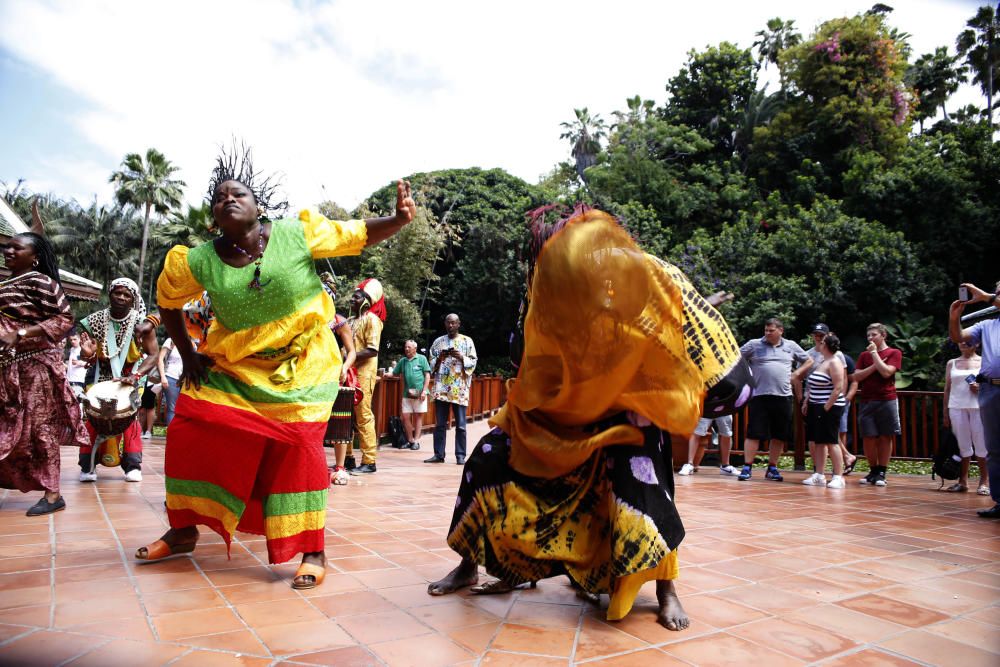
(142, 251)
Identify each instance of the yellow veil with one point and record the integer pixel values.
(608, 328)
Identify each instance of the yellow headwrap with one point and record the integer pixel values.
(608, 329)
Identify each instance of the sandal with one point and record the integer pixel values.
(983, 490)
(159, 550)
(498, 586)
(339, 476)
(311, 576)
(850, 468)
(957, 488)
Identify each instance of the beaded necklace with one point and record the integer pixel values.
(255, 283)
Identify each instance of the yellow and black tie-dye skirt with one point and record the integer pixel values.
(609, 519)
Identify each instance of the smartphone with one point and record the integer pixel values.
(963, 293)
(970, 379)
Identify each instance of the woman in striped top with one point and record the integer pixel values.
(822, 406)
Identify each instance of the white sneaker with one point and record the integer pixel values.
(837, 482)
(88, 476)
(147, 435)
(133, 475)
(686, 469)
(728, 470)
(815, 479)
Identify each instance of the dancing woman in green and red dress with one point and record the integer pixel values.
(245, 451)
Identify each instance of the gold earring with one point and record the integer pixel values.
(260, 211)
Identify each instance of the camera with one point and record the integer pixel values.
(963, 293)
(970, 379)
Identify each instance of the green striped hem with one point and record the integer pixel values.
(188, 487)
(320, 393)
(279, 504)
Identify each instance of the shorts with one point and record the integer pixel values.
(844, 418)
(414, 406)
(822, 426)
(148, 398)
(770, 418)
(879, 418)
(724, 425)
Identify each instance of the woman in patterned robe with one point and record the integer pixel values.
(38, 411)
(619, 350)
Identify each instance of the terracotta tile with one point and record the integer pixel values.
(415, 595)
(425, 651)
(261, 592)
(351, 604)
(937, 650)
(717, 611)
(360, 563)
(476, 638)
(382, 626)
(989, 615)
(723, 650)
(817, 587)
(598, 639)
(979, 577)
(856, 626)
(80, 559)
(87, 611)
(870, 658)
(555, 642)
(158, 604)
(8, 632)
(159, 583)
(239, 641)
(708, 579)
(242, 575)
(747, 569)
(194, 623)
(933, 599)
(967, 631)
(352, 656)
(139, 653)
(91, 572)
(801, 640)
(893, 610)
(502, 659)
(276, 612)
(134, 628)
(306, 637)
(214, 659)
(545, 615)
(649, 657)
(886, 569)
(456, 614)
(391, 578)
(47, 647)
(768, 599)
(77, 591)
(951, 585)
(33, 579)
(37, 615)
(23, 564)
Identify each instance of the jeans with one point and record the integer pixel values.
(989, 411)
(441, 413)
(170, 398)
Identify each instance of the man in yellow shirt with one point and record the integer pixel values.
(366, 321)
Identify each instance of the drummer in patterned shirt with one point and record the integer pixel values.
(116, 338)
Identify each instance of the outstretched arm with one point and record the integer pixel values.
(379, 229)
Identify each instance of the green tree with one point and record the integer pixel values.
(147, 184)
(935, 77)
(99, 242)
(980, 46)
(778, 36)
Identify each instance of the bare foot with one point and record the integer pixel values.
(671, 614)
(466, 574)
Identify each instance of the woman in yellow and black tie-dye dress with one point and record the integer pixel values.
(619, 350)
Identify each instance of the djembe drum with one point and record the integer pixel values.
(110, 407)
(340, 428)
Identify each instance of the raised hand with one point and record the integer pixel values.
(88, 346)
(406, 208)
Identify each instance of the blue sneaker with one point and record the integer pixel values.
(744, 474)
(773, 474)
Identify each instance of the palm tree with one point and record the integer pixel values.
(935, 76)
(99, 242)
(778, 36)
(147, 184)
(980, 46)
(584, 134)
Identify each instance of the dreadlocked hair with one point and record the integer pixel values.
(46, 256)
(236, 164)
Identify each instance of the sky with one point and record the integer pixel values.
(340, 98)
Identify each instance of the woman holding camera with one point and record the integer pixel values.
(961, 395)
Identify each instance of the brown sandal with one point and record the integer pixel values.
(159, 550)
(317, 572)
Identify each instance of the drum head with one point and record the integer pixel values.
(120, 392)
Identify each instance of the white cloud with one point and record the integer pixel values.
(349, 95)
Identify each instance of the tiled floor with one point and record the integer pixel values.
(773, 574)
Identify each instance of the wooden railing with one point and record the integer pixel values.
(920, 418)
(486, 395)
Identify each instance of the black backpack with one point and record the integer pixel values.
(396, 435)
(947, 459)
